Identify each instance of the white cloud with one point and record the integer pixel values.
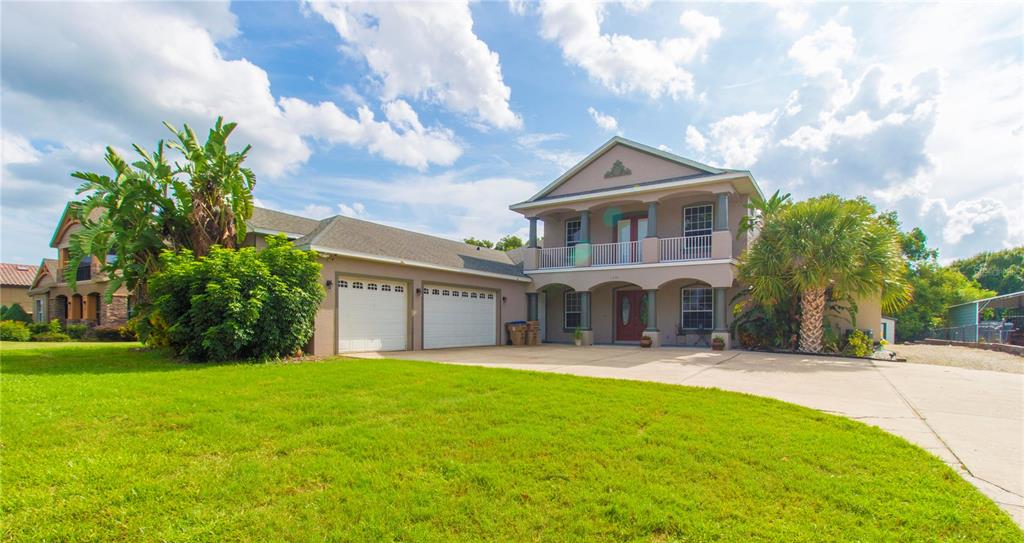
(534, 143)
(635, 6)
(625, 64)
(739, 140)
(476, 207)
(403, 140)
(15, 149)
(791, 15)
(824, 51)
(858, 125)
(517, 7)
(356, 210)
(426, 51)
(603, 121)
(695, 139)
(962, 218)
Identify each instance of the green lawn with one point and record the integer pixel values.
(104, 442)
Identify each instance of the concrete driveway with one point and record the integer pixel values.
(971, 419)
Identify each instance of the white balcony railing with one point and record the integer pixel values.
(558, 257)
(610, 254)
(686, 248)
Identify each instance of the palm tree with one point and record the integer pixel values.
(820, 245)
(762, 210)
(220, 189)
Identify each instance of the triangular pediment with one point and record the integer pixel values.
(623, 163)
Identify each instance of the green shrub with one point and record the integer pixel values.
(236, 303)
(77, 331)
(40, 327)
(14, 331)
(51, 336)
(109, 333)
(858, 344)
(16, 313)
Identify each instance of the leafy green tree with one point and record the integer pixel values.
(234, 304)
(999, 271)
(508, 243)
(479, 243)
(146, 207)
(935, 289)
(821, 245)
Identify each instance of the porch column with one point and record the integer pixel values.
(584, 309)
(532, 243)
(652, 220)
(652, 313)
(721, 215)
(531, 306)
(584, 227)
(719, 308)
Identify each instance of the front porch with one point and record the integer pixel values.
(678, 312)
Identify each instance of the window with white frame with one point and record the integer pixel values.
(572, 231)
(697, 220)
(572, 310)
(39, 311)
(697, 312)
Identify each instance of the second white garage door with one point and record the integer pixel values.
(373, 315)
(458, 317)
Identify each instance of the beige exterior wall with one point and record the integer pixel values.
(510, 295)
(10, 295)
(643, 167)
(668, 302)
(869, 317)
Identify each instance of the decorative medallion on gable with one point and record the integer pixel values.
(617, 170)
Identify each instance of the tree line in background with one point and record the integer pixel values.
(506, 243)
(168, 233)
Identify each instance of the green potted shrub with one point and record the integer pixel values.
(717, 343)
(577, 336)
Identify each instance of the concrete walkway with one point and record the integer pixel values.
(971, 419)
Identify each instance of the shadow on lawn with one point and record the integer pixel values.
(83, 358)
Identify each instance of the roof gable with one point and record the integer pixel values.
(619, 163)
(66, 219)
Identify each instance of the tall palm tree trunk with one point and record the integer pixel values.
(812, 317)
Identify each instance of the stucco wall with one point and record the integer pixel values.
(324, 343)
(668, 303)
(643, 167)
(869, 317)
(16, 295)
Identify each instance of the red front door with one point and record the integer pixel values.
(629, 325)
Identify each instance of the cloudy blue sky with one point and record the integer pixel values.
(436, 117)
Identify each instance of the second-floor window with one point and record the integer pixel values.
(572, 232)
(697, 220)
(84, 272)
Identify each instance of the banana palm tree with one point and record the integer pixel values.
(820, 245)
(220, 188)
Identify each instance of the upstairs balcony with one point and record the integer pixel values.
(683, 228)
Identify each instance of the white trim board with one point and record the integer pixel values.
(636, 266)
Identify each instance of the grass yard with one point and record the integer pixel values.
(105, 442)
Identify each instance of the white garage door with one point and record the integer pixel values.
(373, 315)
(458, 317)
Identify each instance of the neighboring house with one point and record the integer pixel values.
(52, 297)
(15, 279)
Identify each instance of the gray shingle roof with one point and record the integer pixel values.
(369, 238)
(278, 221)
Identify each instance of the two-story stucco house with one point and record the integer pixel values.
(636, 242)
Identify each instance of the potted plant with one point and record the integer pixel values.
(646, 342)
(717, 343)
(577, 336)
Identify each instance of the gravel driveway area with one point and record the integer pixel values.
(960, 357)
